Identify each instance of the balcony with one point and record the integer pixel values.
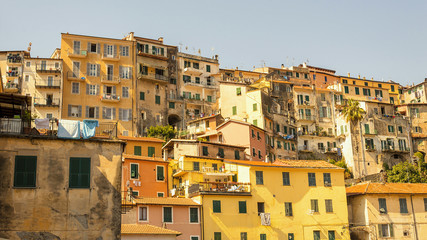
(43, 83)
(370, 133)
(219, 188)
(14, 60)
(306, 118)
(108, 79)
(194, 71)
(155, 77)
(46, 102)
(332, 150)
(75, 76)
(304, 148)
(201, 84)
(110, 98)
(112, 57)
(11, 87)
(77, 54)
(12, 74)
(370, 148)
(48, 68)
(12, 126)
(391, 148)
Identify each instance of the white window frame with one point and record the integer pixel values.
(164, 176)
(158, 117)
(125, 51)
(189, 215)
(92, 89)
(72, 87)
(76, 112)
(50, 114)
(93, 70)
(111, 113)
(137, 191)
(130, 171)
(197, 236)
(125, 73)
(148, 210)
(163, 214)
(127, 92)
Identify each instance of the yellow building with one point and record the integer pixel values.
(287, 199)
(11, 69)
(98, 80)
(387, 210)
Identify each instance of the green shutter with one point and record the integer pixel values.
(25, 171)
(205, 150)
(216, 206)
(137, 150)
(346, 89)
(242, 206)
(141, 96)
(254, 107)
(134, 171)
(217, 236)
(238, 91)
(234, 179)
(157, 99)
(234, 110)
(331, 235)
(160, 173)
(167, 214)
(367, 128)
(151, 151)
(171, 105)
(256, 122)
(263, 236)
(236, 155)
(79, 173)
(194, 215)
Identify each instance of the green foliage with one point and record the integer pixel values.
(347, 173)
(406, 172)
(419, 156)
(386, 167)
(352, 111)
(164, 132)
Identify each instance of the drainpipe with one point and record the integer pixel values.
(413, 216)
(362, 148)
(202, 227)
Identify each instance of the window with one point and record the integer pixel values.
(243, 236)
(197, 80)
(143, 213)
(403, 205)
(194, 238)
(316, 235)
(260, 207)
(141, 96)
(93, 47)
(137, 150)
(160, 173)
(124, 51)
(238, 91)
(385, 230)
(259, 154)
(314, 205)
(171, 105)
(217, 236)
(209, 98)
(259, 177)
(356, 89)
(331, 235)
(242, 207)
(93, 70)
(125, 92)
(125, 72)
(151, 151)
(27, 78)
(208, 68)
(254, 107)
(49, 115)
(196, 166)
(167, 214)
(255, 122)
(28, 64)
(25, 171)
(366, 92)
(205, 151)
(160, 194)
(288, 209)
(258, 136)
(253, 152)
(221, 152)
(157, 99)
(328, 205)
(286, 179)
(236, 154)
(392, 88)
(291, 236)
(263, 236)
(79, 173)
(382, 205)
(134, 171)
(234, 109)
(195, 65)
(186, 78)
(327, 179)
(75, 88)
(311, 179)
(390, 128)
(216, 206)
(92, 89)
(194, 215)
(346, 89)
(125, 114)
(425, 204)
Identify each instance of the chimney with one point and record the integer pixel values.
(304, 65)
(372, 78)
(216, 57)
(425, 79)
(364, 78)
(348, 74)
(160, 39)
(237, 68)
(283, 66)
(131, 36)
(358, 76)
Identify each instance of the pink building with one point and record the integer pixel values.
(243, 134)
(178, 214)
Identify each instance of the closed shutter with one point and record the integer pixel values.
(69, 110)
(114, 90)
(121, 50)
(121, 71)
(137, 150)
(120, 114)
(104, 112)
(97, 89)
(242, 206)
(236, 155)
(87, 112)
(130, 72)
(87, 69)
(321, 112)
(380, 230)
(79, 173)
(105, 90)
(88, 47)
(87, 89)
(167, 214)
(390, 226)
(194, 215)
(151, 151)
(216, 206)
(129, 114)
(160, 173)
(134, 171)
(114, 114)
(162, 51)
(98, 70)
(25, 171)
(141, 96)
(80, 110)
(115, 51)
(97, 112)
(329, 112)
(105, 49)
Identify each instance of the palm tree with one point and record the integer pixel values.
(353, 114)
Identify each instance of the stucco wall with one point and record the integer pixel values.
(52, 210)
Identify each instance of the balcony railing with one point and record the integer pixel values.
(304, 148)
(12, 126)
(306, 117)
(12, 74)
(11, 86)
(370, 148)
(111, 57)
(46, 102)
(77, 54)
(157, 77)
(106, 130)
(110, 79)
(44, 83)
(374, 132)
(219, 188)
(48, 68)
(14, 59)
(110, 98)
(75, 76)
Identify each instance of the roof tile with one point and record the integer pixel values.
(387, 188)
(146, 229)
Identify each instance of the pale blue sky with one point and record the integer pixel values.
(384, 39)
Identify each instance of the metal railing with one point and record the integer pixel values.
(9, 85)
(112, 57)
(110, 79)
(106, 130)
(53, 102)
(48, 83)
(222, 187)
(12, 125)
(80, 53)
(152, 76)
(14, 73)
(48, 67)
(111, 97)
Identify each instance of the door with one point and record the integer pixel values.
(76, 69)
(76, 47)
(50, 81)
(49, 99)
(110, 71)
(43, 65)
(110, 51)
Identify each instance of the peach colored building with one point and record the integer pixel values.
(243, 134)
(147, 232)
(177, 214)
(143, 146)
(205, 126)
(322, 77)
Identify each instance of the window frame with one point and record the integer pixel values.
(79, 186)
(137, 170)
(216, 206)
(403, 210)
(189, 215)
(311, 177)
(241, 203)
(288, 209)
(25, 158)
(286, 176)
(139, 214)
(163, 214)
(157, 173)
(329, 208)
(259, 179)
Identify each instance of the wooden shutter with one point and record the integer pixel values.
(380, 230)
(121, 71)
(390, 226)
(104, 112)
(242, 206)
(98, 70)
(114, 113)
(87, 89)
(79, 173)
(151, 151)
(120, 114)
(137, 150)
(105, 49)
(97, 89)
(114, 90)
(321, 112)
(87, 69)
(160, 173)
(97, 112)
(80, 110)
(130, 72)
(87, 112)
(216, 206)
(121, 50)
(69, 110)
(105, 90)
(129, 114)
(88, 47)
(25, 171)
(98, 48)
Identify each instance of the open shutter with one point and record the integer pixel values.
(391, 229)
(321, 112)
(69, 110)
(329, 112)
(380, 230)
(97, 89)
(120, 114)
(121, 50)
(87, 89)
(130, 72)
(104, 111)
(105, 49)
(98, 70)
(114, 113)
(105, 90)
(162, 51)
(97, 112)
(80, 110)
(98, 48)
(87, 112)
(87, 69)
(88, 47)
(114, 90)
(121, 71)
(115, 50)
(130, 115)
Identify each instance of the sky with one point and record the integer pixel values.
(383, 39)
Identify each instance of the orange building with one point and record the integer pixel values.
(143, 169)
(322, 77)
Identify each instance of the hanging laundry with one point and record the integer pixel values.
(42, 123)
(68, 129)
(89, 127)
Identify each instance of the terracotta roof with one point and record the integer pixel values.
(321, 164)
(128, 229)
(238, 121)
(203, 118)
(387, 188)
(167, 201)
(170, 143)
(144, 158)
(142, 139)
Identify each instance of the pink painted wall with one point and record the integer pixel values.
(257, 144)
